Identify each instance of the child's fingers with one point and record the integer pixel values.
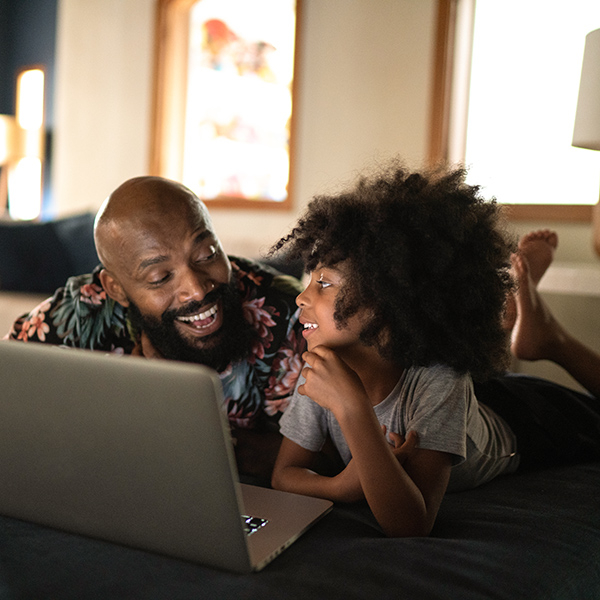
(410, 442)
(404, 447)
(396, 439)
(411, 438)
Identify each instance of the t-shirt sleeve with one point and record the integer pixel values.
(304, 421)
(438, 410)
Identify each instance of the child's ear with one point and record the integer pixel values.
(113, 288)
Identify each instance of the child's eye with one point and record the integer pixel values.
(323, 284)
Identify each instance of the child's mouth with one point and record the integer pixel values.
(309, 328)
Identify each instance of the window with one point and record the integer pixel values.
(512, 99)
(224, 99)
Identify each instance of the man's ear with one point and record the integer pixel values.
(113, 288)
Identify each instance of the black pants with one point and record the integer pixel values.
(553, 424)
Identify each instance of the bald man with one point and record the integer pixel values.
(166, 288)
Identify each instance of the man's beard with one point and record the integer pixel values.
(231, 342)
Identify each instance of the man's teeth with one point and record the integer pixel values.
(310, 325)
(200, 316)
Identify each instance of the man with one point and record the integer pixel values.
(166, 288)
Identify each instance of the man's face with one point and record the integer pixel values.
(177, 281)
(232, 341)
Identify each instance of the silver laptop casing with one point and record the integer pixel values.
(133, 451)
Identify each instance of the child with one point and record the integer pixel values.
(409, 276)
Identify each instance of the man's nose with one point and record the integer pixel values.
(194, 285)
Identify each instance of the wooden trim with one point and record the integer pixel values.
(596, 228)
(169, 83)
(438, 151)
(576, 213)
(168, 106)
(249, 204)
(157, 87)
(442, 81)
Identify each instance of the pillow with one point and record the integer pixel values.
(39, 257)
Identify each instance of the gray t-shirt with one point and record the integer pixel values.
(437, 403)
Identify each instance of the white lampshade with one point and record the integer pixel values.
(586, 132)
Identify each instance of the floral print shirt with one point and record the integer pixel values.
(256, 389)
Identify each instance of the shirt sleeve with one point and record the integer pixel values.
(79, 315)
(304, 422)
(438, 406)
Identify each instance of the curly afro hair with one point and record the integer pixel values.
(427, 255)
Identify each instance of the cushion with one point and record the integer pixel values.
(38, 257)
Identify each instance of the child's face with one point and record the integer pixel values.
(317, 302)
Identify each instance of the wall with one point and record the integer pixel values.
(364, 91)
(27, 38)
(365, 82)
(102, 104)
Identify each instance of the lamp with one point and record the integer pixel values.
(22, 148)
(586, 132)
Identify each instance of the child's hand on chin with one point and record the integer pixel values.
(330, 382)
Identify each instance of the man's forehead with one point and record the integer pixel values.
(166, 245)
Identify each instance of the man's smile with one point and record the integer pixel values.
(200, 316)
(204, 322)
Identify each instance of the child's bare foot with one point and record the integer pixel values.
(536, 333)
(538, 248)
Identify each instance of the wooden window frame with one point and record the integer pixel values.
(445, 38)
(168, 108)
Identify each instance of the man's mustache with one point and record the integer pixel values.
(195, 306)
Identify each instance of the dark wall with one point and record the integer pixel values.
(28, 37)
(6, 102)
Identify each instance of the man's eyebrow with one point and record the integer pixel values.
(205, 233)
(149, 262)
(160, 258)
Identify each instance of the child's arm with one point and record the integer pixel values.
(293, 473)
(404, 498)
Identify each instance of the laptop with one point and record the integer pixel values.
(137, 452)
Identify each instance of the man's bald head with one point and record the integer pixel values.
(138, 205)
(164, 263)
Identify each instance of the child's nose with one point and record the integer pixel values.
(301, 299)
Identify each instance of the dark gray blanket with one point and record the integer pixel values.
(530, 536)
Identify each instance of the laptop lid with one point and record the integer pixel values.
(134, 451)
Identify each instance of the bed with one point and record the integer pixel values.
(533, 536)
(530, 536)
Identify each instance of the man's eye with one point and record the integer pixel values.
(209, 253)
(159, 281)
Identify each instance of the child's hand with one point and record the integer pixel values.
(330, 382)
(402, 448)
